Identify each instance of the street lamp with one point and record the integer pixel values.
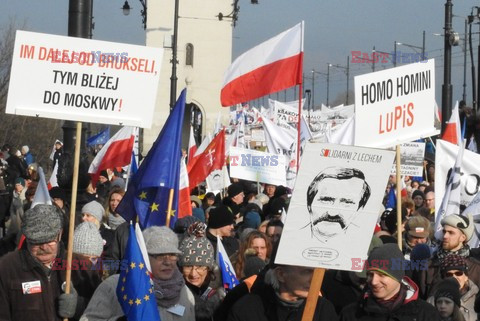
(347, 71)
(447, 67)
(422, 48)
(126, 11)
(308, 93)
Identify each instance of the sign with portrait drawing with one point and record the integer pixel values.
(334, 207)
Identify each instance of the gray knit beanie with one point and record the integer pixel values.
(95, 209)
(42, 223)
(196, 248)
(387, 259)
(161, 240)
(87, 240)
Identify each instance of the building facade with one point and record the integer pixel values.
(204, 51)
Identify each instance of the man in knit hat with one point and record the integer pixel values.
(220, 223)
(175, 301)
(30, 289)
(389, 294)
(457, 231)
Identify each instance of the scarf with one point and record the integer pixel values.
(115, 220)
(396, 301)
(167, 292)
(463, 252)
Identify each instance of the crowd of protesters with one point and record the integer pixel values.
(440, 282)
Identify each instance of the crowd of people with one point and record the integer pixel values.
(437, 280)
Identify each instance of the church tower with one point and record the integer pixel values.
(204, 52)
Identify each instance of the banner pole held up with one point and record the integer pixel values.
(71, 226)
(399, 199)
(169, 208)
(312, 298)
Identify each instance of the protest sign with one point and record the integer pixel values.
(255, 166)
(335, 206)
(469, 172)
(411, 159)
(395, 106)
(83, 80)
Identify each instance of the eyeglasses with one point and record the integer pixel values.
(164, 257)
(457, 273)
(200, 269)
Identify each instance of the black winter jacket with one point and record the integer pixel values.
(412, 309)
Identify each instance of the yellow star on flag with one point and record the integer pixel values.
(130, 302)
(154, 207)
(123, 288)
(146, 272)
(146, 297)
(141, 265)
(125, 297)
(143, 195)
(138, 301)
(172, 212)
(124, 279)
(132, 265)
(150, 290)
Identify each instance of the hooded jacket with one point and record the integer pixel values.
(412, 308)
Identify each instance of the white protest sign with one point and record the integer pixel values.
(83, 80)
(254, 165)
(334, 206)
(396, 105)
(446, 154)
(411, 159)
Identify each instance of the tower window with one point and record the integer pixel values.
(189, 55)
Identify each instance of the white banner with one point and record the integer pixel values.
(255, 166)
(396, 105)
(411, 159)
(83, 80)
(334, 206)
(446, 154)
(218, 179)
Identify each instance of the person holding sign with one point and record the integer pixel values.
(333, 199)
(30, 285)
(281, 298)
(389, 295)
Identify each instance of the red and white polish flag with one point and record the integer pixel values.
(192, 146)
(453, 129)
(117, 152)
(273, 65)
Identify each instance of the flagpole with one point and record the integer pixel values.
(312, 298)
(399, 200)
(169, 208)
(299, 123)
(73, 203)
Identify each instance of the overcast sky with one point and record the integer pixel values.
(333, 29)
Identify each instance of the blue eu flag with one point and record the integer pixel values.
(391, 198)
(135, 287)
(100, 138)
(149, 189)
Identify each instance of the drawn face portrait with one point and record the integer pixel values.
(334, 200)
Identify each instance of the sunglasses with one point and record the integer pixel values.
(457, 273)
